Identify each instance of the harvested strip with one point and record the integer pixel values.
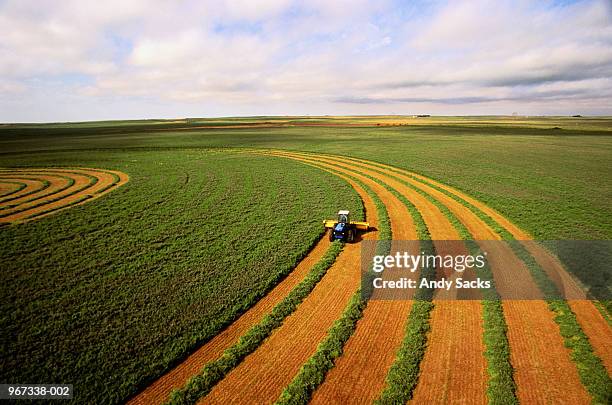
(67, 187)
(10, 187)
(159, 391)
(32, 186)
(543, 371)
(453, 369)
(72, 186)
(314, 371)
(263, 374)
(460, 345)
(563, 368)
(56, 184)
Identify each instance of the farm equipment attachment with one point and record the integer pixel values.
(343, 228)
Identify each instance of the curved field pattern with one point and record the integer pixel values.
(28, 194)
(453, 368)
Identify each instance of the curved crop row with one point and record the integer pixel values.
(214, 371)
(419, 318)
(501, 386)
(12, 188)
(313, 372)
(54, 184)
(61, 188)
(404, 372)
(592, 373)
(31, 186)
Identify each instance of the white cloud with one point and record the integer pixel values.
(325, 56)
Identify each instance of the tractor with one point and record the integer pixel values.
(343, 228)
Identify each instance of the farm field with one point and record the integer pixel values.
(217, 236)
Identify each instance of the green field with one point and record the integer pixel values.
(109, 295)
(194, 238)
(554, 183)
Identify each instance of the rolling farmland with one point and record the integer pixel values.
(209, 261)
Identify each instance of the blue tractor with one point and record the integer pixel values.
(343, 229)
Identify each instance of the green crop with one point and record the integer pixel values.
(111, 294)
(201, 384)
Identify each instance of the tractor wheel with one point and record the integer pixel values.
(331, 235)
(351, 236)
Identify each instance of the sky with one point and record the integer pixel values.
(77, 60)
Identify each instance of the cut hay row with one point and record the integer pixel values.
(314, 371)
(451, 341)
(8, 187)
(62, 188)
(382, 327)
(524, 356)
(159, 391)
(31, 186)
(262, 375)
(59, 185)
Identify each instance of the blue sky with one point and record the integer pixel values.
(85, 60)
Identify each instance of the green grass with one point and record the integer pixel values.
(553, 184)
(313, 372)
(201, 384)
(111, 294)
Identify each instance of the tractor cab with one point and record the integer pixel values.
(343, 217)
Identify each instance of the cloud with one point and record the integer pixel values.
(303, 56)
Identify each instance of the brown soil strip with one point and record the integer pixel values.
(6, 188)
(32, 185)
(80, 192)
(543, 372)
(261, 376)
(58, 183)
(159, 391)
(458, 344)
(525, 317)
(454, 369)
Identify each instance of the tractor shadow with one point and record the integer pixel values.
(359, 236)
